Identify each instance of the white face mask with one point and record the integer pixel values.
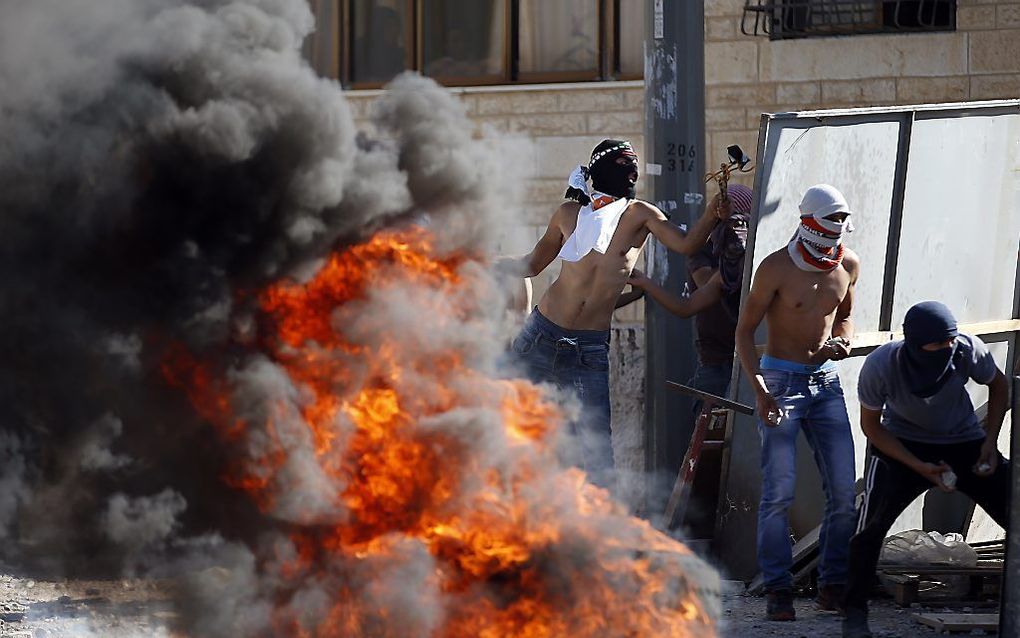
(817, 246)
(821, 233)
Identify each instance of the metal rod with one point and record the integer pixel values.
(1009, 612)
(892, 249)
(736, 406)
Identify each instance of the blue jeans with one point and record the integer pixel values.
(813, 403)
(578, 361)
(711, 378)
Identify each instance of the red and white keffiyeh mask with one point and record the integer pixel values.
(817, 246)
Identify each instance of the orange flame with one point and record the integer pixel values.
(520, 549)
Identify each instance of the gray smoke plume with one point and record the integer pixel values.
(161, 163)
(95, 449)
(157, 157)
(144, 522)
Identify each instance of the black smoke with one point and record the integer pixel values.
(157, 159)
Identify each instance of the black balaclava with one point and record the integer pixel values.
(729, 243)
(609, 177)
(925, 372)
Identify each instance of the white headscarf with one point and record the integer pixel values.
(817, 246)
(596, 221)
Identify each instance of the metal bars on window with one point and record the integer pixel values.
(784, 19)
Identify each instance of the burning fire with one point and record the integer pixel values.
(416, 455)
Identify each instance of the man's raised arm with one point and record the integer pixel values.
(686, 243)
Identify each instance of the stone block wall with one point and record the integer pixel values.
(979, 61)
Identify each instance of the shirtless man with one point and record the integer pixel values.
(806, 292)
(598, 236)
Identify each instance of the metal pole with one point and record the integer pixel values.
(1009, 612)
(675, 166)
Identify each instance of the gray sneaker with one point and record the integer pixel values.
(855, 624)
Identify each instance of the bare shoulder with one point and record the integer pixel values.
(775, 264)
(770, 273)
(851, 263)
(645, 210)
(565, 217)
(567, 210)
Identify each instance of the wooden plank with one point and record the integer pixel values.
(676, 507)
(980, 570)
(959, 622)
(971, 604)
(905, 589)
(869, 339)
(1000, 543)
(863, 340)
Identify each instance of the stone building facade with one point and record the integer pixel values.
(745, 76)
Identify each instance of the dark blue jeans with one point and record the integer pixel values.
(713, 378)
(576, 361)
(813, 404)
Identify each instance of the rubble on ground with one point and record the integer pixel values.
(743, 616)
(84, 608)
(141, 608)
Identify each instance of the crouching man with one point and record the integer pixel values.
(922, 430)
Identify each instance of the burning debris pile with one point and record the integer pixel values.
(255, 352)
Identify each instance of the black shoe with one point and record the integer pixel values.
(830, 598)
(779, 605)
(855, 624)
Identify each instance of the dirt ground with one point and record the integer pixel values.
(80, 609)
(138, 608)
(744, 617)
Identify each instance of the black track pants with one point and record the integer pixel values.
(890, 486)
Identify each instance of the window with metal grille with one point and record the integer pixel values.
(783, 19)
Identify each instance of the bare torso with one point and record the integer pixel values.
(584, 294)
(802, 311)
